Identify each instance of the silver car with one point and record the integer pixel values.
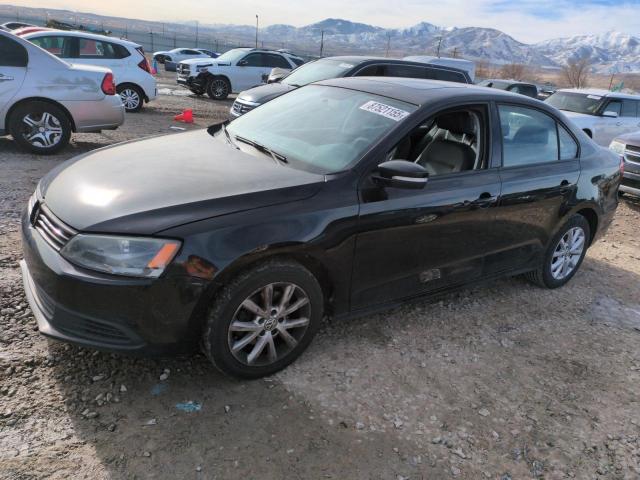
(44, 99)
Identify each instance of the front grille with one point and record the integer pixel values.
(631, 155)
(633, 148)
(183, 69)
(53, 230)
(241, 108)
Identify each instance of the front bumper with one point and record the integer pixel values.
(104, 311)
(631, 178)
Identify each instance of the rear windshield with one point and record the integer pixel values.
(316, 71)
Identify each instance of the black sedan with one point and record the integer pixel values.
(338, 198)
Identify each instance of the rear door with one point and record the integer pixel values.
(539, 173)
(13, 68)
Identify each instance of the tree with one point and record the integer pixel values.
(514, 71)
(576, 72)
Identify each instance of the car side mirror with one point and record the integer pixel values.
(401, 174)
(243, 63)
(610, 114)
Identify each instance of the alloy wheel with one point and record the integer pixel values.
(568, 253)
(219, 88)
(42, 129)
(130, 98)
(269, 324)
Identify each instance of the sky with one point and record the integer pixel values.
(526, 20)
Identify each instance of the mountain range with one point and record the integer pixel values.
(609, 52)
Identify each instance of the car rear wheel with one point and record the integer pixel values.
(132, 97)
(218, 88)
(263, 319)
(40, 127)
(564, 255)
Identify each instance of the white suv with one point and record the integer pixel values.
(135, 83)
(602, 114)
(233, 72)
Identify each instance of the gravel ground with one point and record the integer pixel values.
(505, 381)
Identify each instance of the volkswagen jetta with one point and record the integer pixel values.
(340, 197)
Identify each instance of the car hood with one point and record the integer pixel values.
(264, 93)
(630, 139)
(147, 186)
(208, 60)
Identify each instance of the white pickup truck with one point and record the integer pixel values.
(234, 71)
(602, 114)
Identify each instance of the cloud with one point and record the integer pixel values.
(525, 20)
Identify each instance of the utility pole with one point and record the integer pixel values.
(439, 44)
(257, 25)
(163, 29)
(455, 52)
(321, 42)
(388, 43)
(151, 35)
(174, 39)
(611, 81)
(126, 31)
(216, 45)
(196, 33)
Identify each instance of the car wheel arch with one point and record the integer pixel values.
(41, 99)
(135, 85)
(248, 261)
(592, 219)
(208, 76)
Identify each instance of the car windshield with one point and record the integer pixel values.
(232, 55)
(316, 71)
(319, 128)
(576, 102)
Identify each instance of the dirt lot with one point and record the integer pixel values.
(505, 381)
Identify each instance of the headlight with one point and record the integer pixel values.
(130, 256)
(617, 147)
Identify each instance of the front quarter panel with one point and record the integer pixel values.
(320, 230)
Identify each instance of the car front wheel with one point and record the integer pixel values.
(40, 127)
(218, 88)
(564, 255)
(263, 320)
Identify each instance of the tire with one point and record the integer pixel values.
(218, 88)
(132, 97)
(40, 127)
(262, 347)
(546, 275)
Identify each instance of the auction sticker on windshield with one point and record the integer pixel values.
(387, 111)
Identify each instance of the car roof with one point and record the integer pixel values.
(508, 82)
(81, 33)
(601, 92)
(418, 91)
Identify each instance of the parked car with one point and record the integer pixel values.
(208, 52)
(135, 82)
(628, 147)
(602, 114)
(25, 30)
(546, 90)
(41, 103)
(341, 197)
(233, 71)
(336, 67)
(528, 89)
(459, 63)
(179, 54)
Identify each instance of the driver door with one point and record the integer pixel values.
(249, 72)
(412, 242)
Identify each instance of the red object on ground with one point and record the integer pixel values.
(186, 116)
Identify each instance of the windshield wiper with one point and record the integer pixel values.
(278, 158)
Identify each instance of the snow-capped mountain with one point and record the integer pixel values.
(609, 52)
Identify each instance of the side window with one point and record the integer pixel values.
(372, 71)
(629, 108)
(407, 71)
(297, 61)
(12, 54)
(254, 60)
(568, 146)
(58, 46)
(445, 75)
(276, 61)
(528, 136)
(448, 142)
(614, 106)
(192, 52)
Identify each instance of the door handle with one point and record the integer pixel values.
(5, 78)
(618, 123)
(484, 200)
